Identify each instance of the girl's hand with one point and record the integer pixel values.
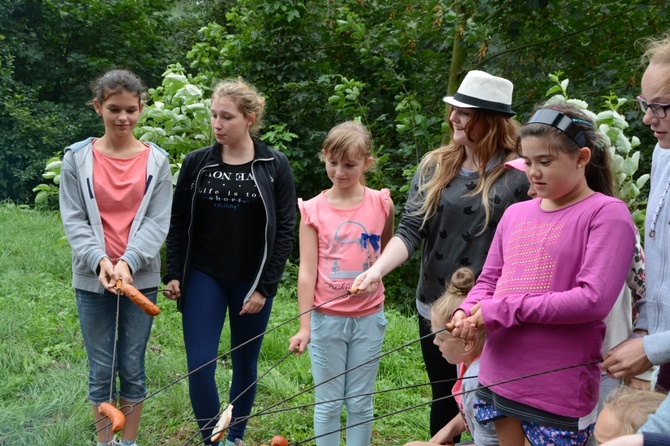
(122, 271)
(255, 304)
(172, 290)
(458, 320)
(467, 328)
(367, 282)
(107, 277)
(626, 359)
(298, 343)
(446, 435)
(476, 316)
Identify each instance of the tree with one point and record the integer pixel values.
(386, 63)
(53, 49)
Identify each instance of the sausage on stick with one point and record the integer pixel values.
(115, 416)
(138, 298)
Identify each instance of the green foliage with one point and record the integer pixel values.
(387, 63)
(37, 131)
(47, 194)
(178, 117)
(50, 50)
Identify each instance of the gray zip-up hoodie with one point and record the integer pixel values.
(654, 309)
(83, 226)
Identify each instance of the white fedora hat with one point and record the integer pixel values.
(484, 91)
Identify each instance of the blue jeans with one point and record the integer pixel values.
(205, 303)
(97, 318)
(338, 344)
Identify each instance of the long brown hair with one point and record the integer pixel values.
(440, 166)
(115, 82)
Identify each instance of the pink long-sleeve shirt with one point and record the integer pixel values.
(549, 280)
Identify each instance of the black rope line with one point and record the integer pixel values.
(214, 420)
(181, 378)
(376, 392)
(268, 410)
(376, 358)
(531, 375)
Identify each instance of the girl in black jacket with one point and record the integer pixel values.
(231, 232)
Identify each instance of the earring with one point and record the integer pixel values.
(579, 166)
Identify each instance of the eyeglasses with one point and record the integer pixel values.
(659, 110)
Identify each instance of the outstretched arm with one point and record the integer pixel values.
(394, 254)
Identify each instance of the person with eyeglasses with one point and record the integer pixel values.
(649, 344)
(658, 110)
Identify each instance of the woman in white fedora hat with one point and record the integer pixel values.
(458, 195)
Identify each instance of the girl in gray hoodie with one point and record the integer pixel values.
(115, 198)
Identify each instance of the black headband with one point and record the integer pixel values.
(561, 122)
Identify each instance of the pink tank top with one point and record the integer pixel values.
(349, 243)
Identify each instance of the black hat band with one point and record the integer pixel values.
(482, 103)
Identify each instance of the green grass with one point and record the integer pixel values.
(43, 369)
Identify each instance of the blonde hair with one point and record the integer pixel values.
(348, 140)
(657, 51)
(247, 99)
(631, 407)
(462, 281)
(441, 165)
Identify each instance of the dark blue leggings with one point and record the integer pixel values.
(206, 301)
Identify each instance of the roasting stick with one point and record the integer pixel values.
(267, 411)
(308, 389)
(116, 418)
(224, 419)
(226, 416)
(449, 327)
(376, 392)
(350, 292)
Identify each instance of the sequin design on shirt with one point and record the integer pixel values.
(529, 263)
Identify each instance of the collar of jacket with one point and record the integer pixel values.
(261, 152)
